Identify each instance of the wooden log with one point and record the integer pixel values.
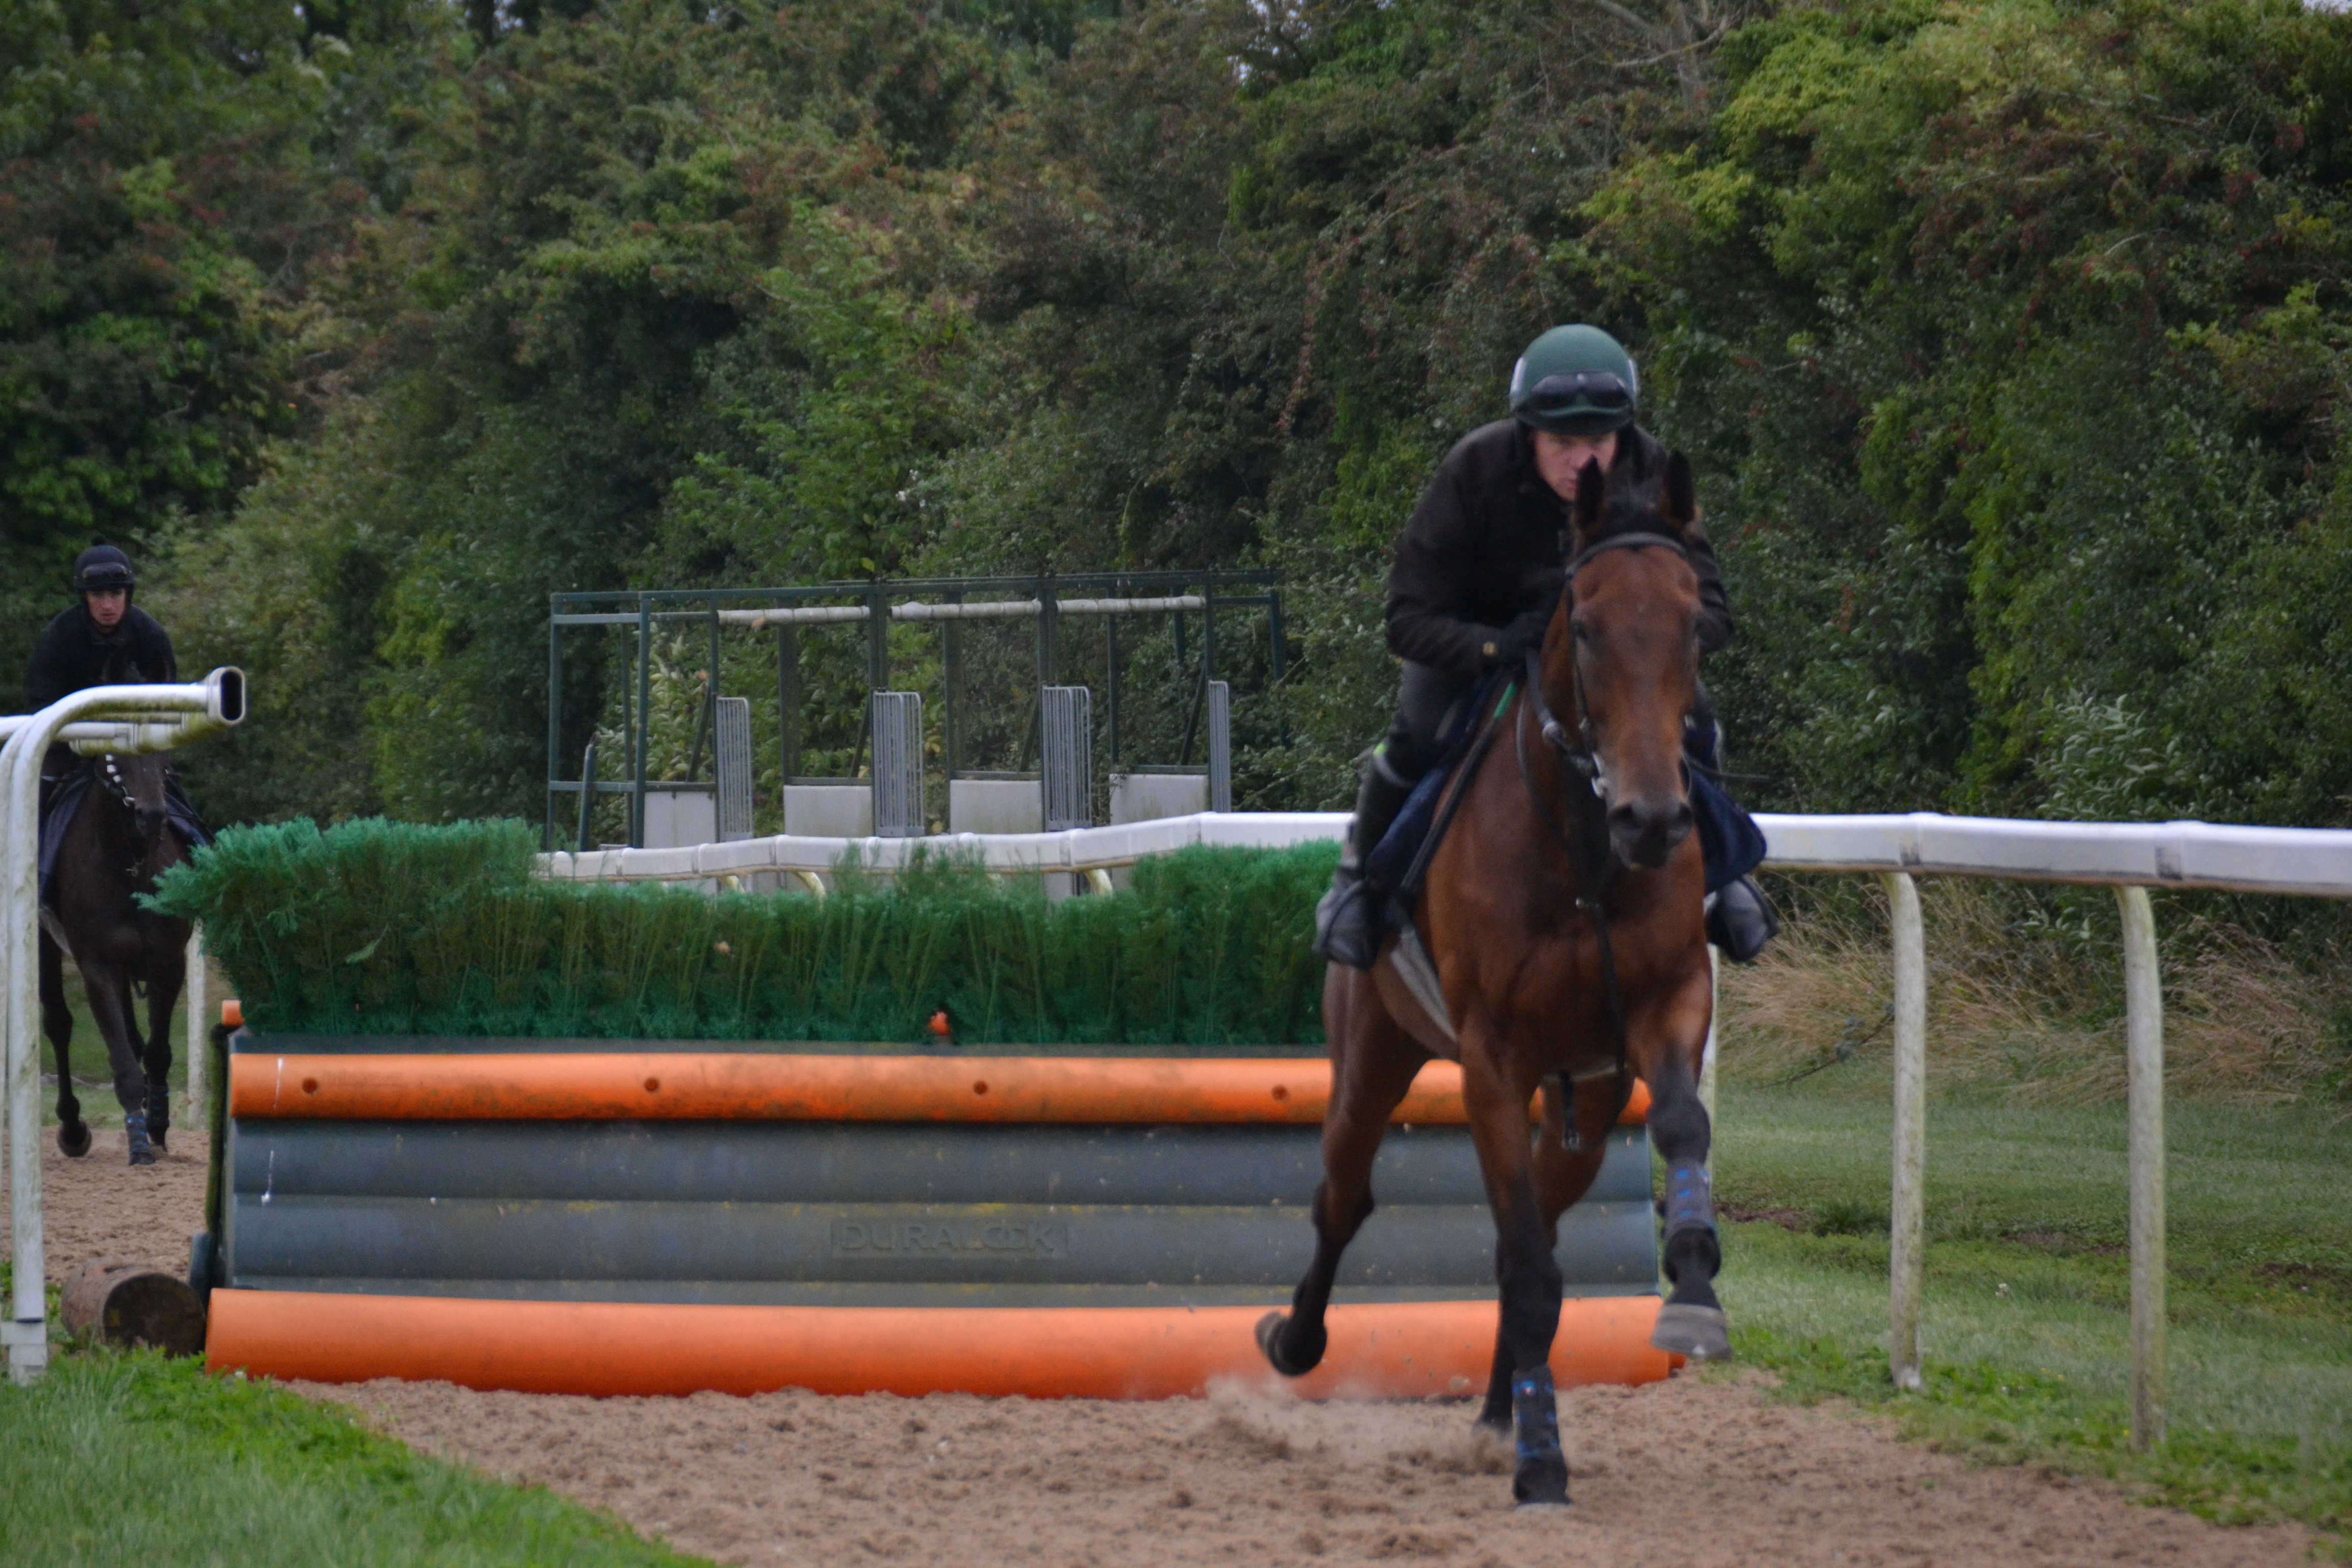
(129, 1304)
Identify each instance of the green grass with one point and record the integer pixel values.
(131, 1459)
(2027, 1283)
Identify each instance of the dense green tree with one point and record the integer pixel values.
(2009, 337)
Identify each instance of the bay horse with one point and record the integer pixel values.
(120, 839)
(1562, 915)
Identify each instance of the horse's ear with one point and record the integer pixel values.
(1682, 494)
(1592, 494)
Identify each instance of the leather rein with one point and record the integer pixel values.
(1586, 838)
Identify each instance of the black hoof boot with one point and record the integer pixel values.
(134, 1132)
(73, 1138)
(1541, 1478)
(159, 1113)
(1274, 1337)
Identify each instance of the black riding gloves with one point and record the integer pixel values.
(1508, 646)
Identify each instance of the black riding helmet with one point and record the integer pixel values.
(1575, 380)
(103, 566)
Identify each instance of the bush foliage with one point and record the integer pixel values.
(376, 927)
(2009, 338)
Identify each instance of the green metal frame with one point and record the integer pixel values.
(1221, 591)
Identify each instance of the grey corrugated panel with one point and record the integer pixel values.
(251, 1042)
(995, 1244)
(719, 1161)
(832, 1293)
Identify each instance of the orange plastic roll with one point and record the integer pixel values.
(747, 1086)
(1385, 1351)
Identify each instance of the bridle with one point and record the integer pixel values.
(1591, 855)
(109, 776)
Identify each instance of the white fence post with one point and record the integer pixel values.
(199, 1003)
(1706, 1053)
(1906, 1219)
(2144, 1011)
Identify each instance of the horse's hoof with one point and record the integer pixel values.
(73, 1139)
(1701, 1333)
(1269, 1340)
(134, 1132)
(1541, 1484)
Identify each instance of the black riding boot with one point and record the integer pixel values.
(1348, 921)
(1739, 919)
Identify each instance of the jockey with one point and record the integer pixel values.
(1478, 573)
(75, 646)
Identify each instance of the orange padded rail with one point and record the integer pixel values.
(1384, 1351)
(756, 1086)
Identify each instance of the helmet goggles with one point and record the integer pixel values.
(1579, 392)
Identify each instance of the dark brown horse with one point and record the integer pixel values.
(1562, 917)
(119, 840)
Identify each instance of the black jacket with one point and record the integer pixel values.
(1490, 540)
(72, 654)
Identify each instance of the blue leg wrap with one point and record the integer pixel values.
(1690, 1199)
(1535, 1411)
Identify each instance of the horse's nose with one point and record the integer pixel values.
(151, 821)
(1646, 832)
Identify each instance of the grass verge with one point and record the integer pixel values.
(134, 1459)
(2027, 1284)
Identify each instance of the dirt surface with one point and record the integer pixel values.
(1683, 1473)
(101, 1207)
(1687, 1472)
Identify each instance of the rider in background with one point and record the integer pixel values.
(75, 646)
(1478, 573)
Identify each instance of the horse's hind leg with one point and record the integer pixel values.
(168, 974)
(57, 1022)
(1373, 1066)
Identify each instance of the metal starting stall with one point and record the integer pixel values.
(887, 796)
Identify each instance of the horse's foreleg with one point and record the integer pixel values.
(1692, 1321)
(57, 1022)
(1569, 1148)
(1373, 1065)
(1523, 1267)
(109, 1007)
(164, 978)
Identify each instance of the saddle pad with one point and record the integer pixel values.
(1392, 857)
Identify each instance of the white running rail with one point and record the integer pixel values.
(2130, 858)
(120, 718)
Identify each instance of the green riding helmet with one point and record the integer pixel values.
(1575, 380)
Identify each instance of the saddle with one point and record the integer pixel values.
(1730, 843)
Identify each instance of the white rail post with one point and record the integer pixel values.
(2144, 1013)
(1706, 1052)
(1907, 1282)
(199, 1005)
(145, 719)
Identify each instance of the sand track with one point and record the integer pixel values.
(1691, 1473)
